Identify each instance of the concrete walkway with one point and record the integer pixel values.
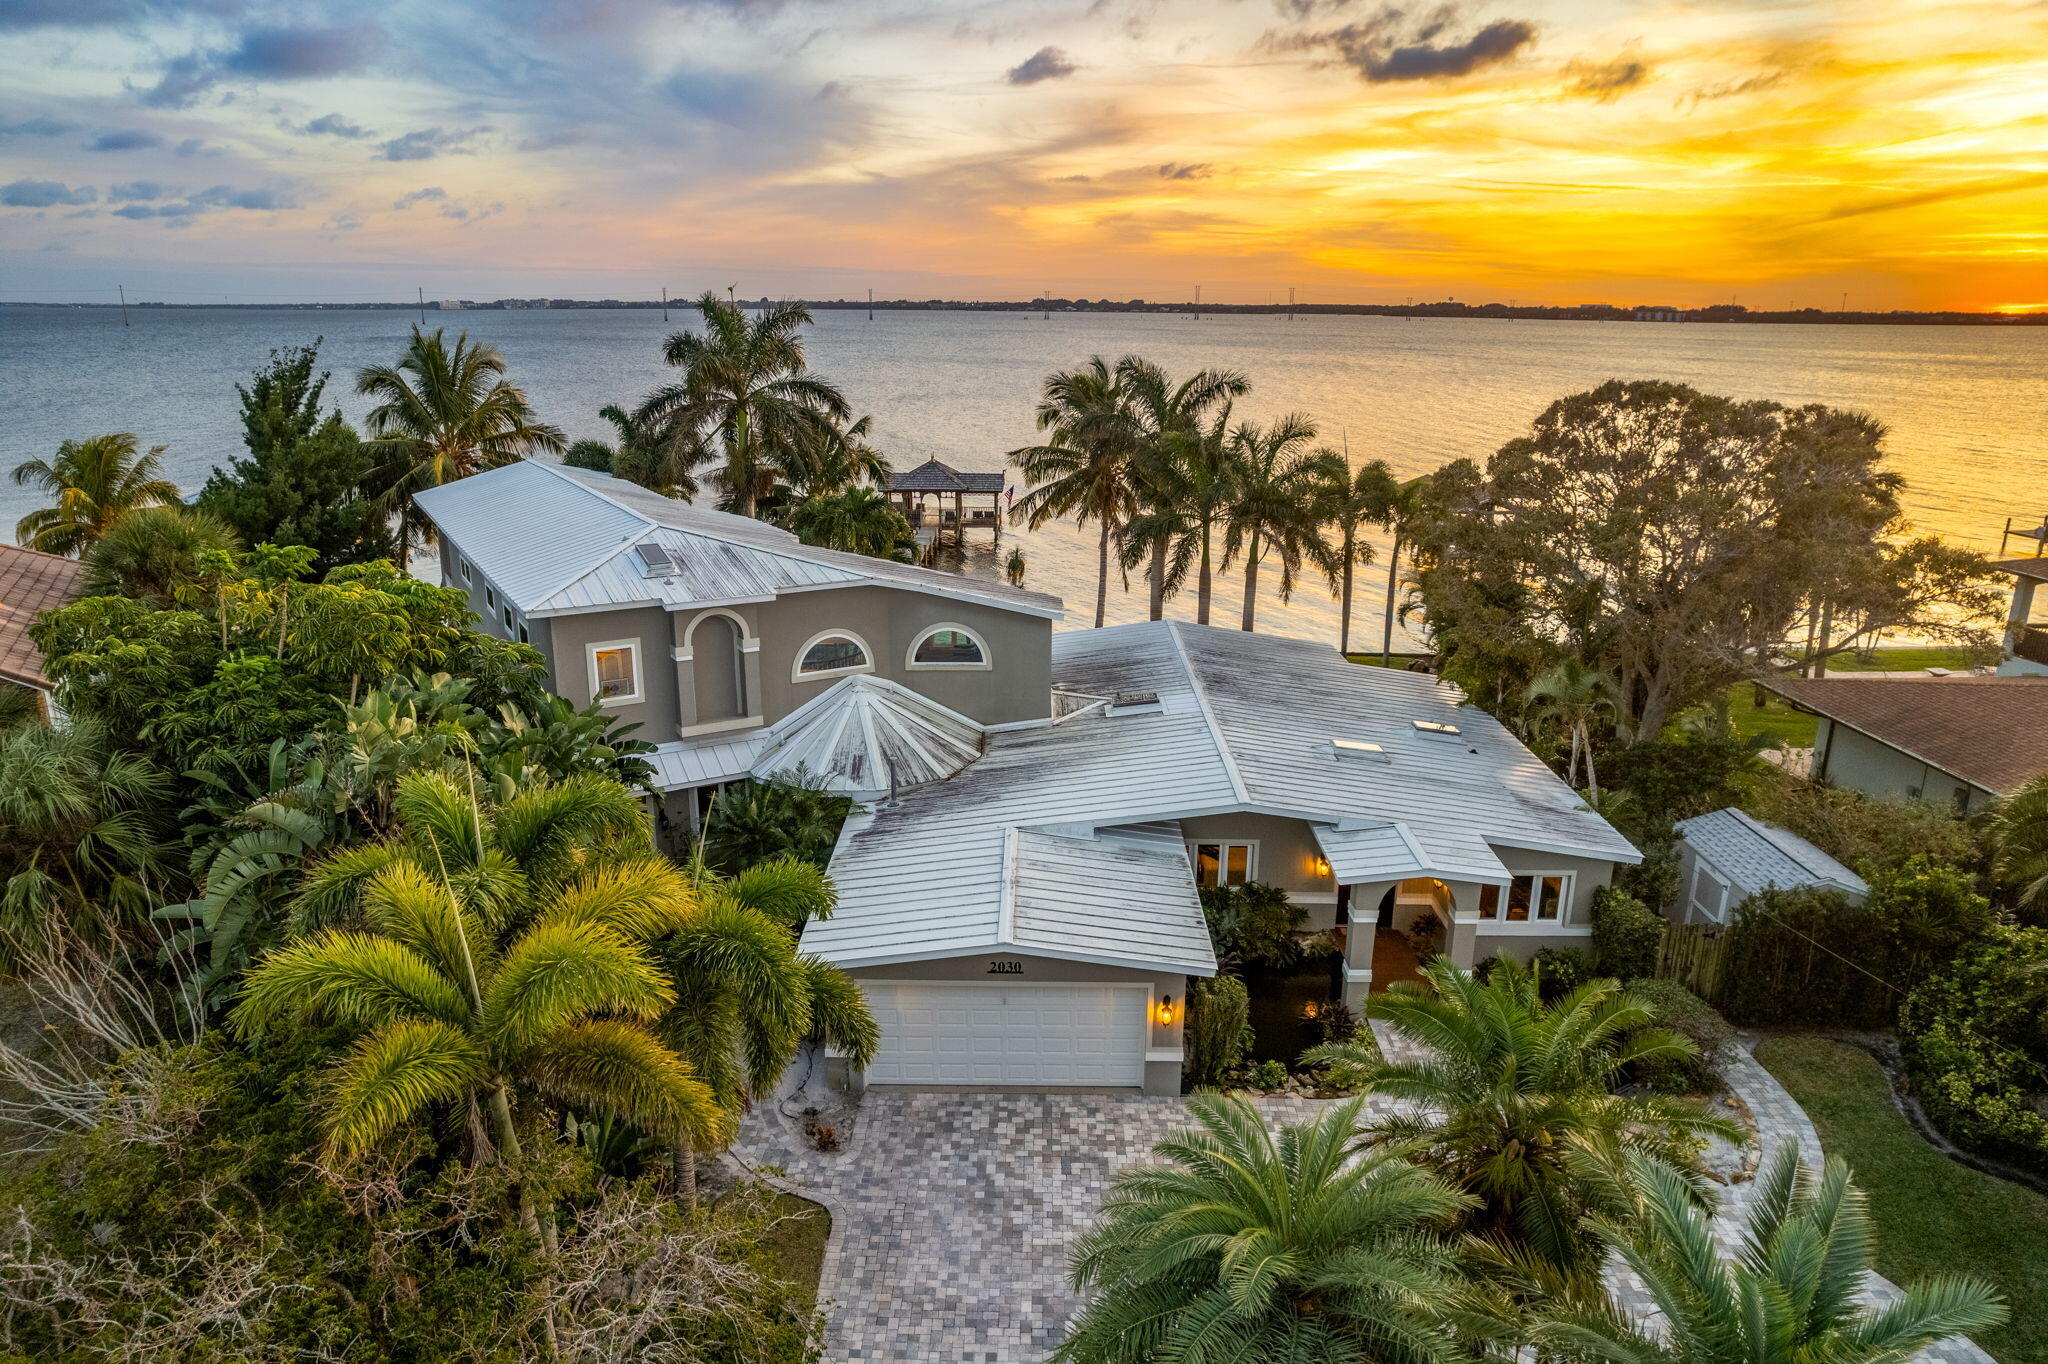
(953, 1213)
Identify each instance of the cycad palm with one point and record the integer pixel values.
(1273, 505)
(1515, 1098)
(1576, 696)
(746, 395)
(96, 482)
(1790, 1296)
(2019, 843)
(442, 415)
(1348, 500)
(1171, 420)
(1083, 469)
(495, 957)
(1245, 1246)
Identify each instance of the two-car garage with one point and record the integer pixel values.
(1010, 1033)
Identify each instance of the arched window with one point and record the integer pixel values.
(949, 646)
(831, 654)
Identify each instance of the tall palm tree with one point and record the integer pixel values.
(1241, 1245)
(828, 459)
(2019, 843)
(636, 457)
(1407, 504)
(1577, 695)
(1083, 468)
(857, 520)
(1349, 500)
(745, 395)
(153, 551)
(442, 415)
(96, 482)
(1272, 506)
(1186, 496)
(1169, 416)
(83, 849)
(1792, 1294)
(1516, 1097)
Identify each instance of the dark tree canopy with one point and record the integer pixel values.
(1680, 541)
(303, 481)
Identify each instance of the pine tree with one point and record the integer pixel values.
(303, 482)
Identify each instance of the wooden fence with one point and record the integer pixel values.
(1692, 955)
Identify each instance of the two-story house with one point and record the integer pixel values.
(1018, 886)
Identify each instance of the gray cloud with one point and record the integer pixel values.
(267, 53)
(1186, 170)
(25, 14)
(193, 146)
(45, 194)
(124, 140)
(1048, 63)
(1398, 44)
(215, 198)
(334, 125)
(40, 126)
(424, 144)
(1604, 80)
(136, 189)
(420, 196)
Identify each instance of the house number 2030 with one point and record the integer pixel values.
(1006, 968)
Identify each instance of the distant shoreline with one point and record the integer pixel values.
(1718, 313)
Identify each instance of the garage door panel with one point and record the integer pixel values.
(941, 1033)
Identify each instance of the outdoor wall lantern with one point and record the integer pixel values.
(1322, 865)
(1165, 1011)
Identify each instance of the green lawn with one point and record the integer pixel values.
(1930, 1215)
(797, 1242)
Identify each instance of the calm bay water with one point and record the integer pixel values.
(1967, 406)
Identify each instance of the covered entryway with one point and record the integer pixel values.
(1009, 1034)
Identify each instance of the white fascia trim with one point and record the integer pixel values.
(852, 962)
(1007, 726)
(1520, 844)
(932, 590)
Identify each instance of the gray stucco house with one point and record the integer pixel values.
(1018, 887)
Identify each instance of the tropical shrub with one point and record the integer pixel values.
(1676, 778)
(1560, 970)
(1253, 925)
(1218, 1028)
(1692, 1018)
(1236, 1243)
(2018, 837)
(759, 821)
(1268, 1075)
(1975, 1039)
(1627, 935)
(1796, 1292)
(1513, 1095)
(1867, 834)
(154, 552)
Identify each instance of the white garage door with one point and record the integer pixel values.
(934, 1033)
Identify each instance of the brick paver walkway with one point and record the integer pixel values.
(953, 1213)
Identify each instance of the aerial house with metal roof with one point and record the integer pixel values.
(1037, 811)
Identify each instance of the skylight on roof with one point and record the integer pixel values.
(1360, 750)
(655, 559)
(1437, 727)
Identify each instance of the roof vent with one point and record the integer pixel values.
(1358, 750)
(1437, 727)
(1135, 703)
(655, 559)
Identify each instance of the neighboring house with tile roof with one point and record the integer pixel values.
(1964, 741)
(1019, 886)
(1726, 856)
(31, 582)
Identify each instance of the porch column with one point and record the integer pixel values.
(2022, 611)
(1461, 935)
(1358, 936)
(686, 672)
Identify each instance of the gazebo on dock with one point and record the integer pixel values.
(933, 498)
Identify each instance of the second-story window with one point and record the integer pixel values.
(948, 646)
(615, 671)
(831, 654)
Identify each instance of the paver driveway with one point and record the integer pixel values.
(953, 1213)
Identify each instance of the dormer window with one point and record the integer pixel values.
(833, 654)
(949, 646)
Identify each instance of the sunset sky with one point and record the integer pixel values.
(1686, 151)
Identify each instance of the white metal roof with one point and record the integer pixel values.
(700, 762)
(1756, 856)
(555, 540)
(1244, 723)
(868, 737)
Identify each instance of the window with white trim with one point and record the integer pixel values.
(832, 654)
(1531, 897)
(615, 671)
(1709, 893)
(1221, 863)
(949, 646)
(490, 598)
(468, 572)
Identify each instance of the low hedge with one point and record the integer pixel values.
(1976, 1046)
(1692, 1018)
